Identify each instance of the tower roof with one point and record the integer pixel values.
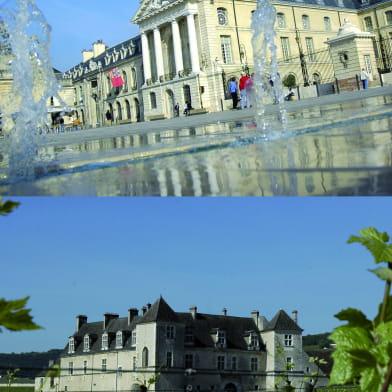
(282, 322)
(159, 311)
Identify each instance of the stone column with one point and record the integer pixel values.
(158, 52)
(177, 47)
(146, 57)
(194, 52)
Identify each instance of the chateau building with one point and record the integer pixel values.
(188, 49)
(163, 350)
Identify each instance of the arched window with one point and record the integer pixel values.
(281, 20)
(222, 16)
(119, 111)
(153, 100)
(305, 22)
(316, 78)
(128, 109)
(327, 23)
(187, 94)
(388, 17)
(145, 357)
(125, 80)
(134, 79)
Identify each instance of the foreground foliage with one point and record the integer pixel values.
(363, 347)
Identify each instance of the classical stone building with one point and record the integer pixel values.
(163, 350)
(188, 49)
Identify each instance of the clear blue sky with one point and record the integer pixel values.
(76, 24)
(95, 255)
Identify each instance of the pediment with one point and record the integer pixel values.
(148, 7)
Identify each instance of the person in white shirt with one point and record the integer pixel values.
(364, 78)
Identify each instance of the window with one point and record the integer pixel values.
(316, 78)
(305, 22)
(119, 339)
(254, 364)
(327, 23)
(169, 359)
(103, 365)
(134, 363)
(105, 341)
(70, 368)
(368, 23)
(253, 340)
(189, 337)
(222, 16)
(84, 367)
(119, 371)
(288, 340)
(153, 100)
(388, 17)
(145, 357)
(133, 338)
(234, 363)
(289, 363)
(281, 20)
(188, 361)
(134, 79)
(284, 41)
(368, 63)
(86, 343)
(221, 338)
(170, 332)
(71, 345)
(310, 49)
(220, 362)
(125, 80)
(227, 55)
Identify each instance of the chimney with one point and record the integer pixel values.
(255, 315)
(148, 306)
(107, 317)
(144, 310)
(133, 312)
(193, 310)
(80, 320)
(224, 312)
(98, 48)
(295, 316)
(87, 55)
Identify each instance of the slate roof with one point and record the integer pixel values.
(282, 322)
(160, 311)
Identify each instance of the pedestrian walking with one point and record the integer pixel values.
(243, 91)
(249, 90)
(61, 122)
(233, 90)
(364, 78)
(176, 110)
(108, 118)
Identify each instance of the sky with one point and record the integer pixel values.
(96, 255)
(76, 24)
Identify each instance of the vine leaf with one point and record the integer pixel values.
(355, 318)
(376, 243)
(14, 317)
(383, 273)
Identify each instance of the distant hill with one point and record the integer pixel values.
(316, 342)
(30, 364)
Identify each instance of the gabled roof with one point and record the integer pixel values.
(151, 7)
(160, 311)
(282, 322)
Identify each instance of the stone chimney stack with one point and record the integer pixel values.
(107, 317)
(193, 310)
(255, 315)
(144, 310)
(98, 48)
(80, 320)
(224, 312)
(133, 312)
(295, 316)
(87, 55)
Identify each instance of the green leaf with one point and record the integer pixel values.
(376, 243)
(371, 380)
(355, 318)
(7, 207)
(343, 369)
(383, 273)
(14, 317)
(383, 348)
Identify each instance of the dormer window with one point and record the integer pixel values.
(133, 338)
(119, 339)
(170, 332)
(105, 341)
(221, 339)
(86, 343)
(71, 345)
(253, 343)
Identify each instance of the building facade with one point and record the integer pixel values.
(163, 350)
(189, 49)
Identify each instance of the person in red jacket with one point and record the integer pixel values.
(243, 91)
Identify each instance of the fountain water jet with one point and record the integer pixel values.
(24, 110)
